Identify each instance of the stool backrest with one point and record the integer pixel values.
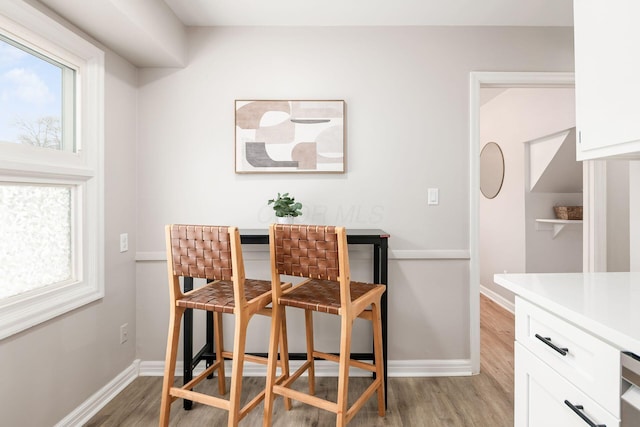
(204, 252)
(311, 251)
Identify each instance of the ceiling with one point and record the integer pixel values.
(373, 12)
(152, 33)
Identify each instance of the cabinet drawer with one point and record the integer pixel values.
(590, 364)
(543, 397)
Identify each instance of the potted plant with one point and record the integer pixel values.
(286, 208)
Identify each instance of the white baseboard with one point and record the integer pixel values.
(498, 299)
(83, 413)
(430, 368)
(323, 369)
(397, 368)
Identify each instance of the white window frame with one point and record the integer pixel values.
(83, 169)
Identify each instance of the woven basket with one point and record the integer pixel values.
(568, 212)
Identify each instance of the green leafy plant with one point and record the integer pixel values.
(285, 205)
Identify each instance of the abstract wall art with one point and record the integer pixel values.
(290, 136)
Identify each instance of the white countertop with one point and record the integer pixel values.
(605, 304)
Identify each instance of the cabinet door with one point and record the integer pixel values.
(543, 397)
(590, 364)
(607, 73)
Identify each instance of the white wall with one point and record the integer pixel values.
(49, 370)
(618, 214)
(547, 251)
(511, 118)
(407, 97)
(634, 207)
(544, 252)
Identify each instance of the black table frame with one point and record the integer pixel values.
(377, 238)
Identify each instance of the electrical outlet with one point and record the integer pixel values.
(124, 333)
(124, 242)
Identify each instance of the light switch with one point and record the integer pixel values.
(433, 197)
(124, 242)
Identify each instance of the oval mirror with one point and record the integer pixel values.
(491, 170)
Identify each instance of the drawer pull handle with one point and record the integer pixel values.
(547, 341)
(578, 410)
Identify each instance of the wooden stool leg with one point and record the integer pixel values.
(175, 318)
(284, 353)
(308, 320)
(219, 343)
(377, 354)
(276, 323)
(343, 370)
(239, 341)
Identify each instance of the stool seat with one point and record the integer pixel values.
(323, 295)
(218, 296)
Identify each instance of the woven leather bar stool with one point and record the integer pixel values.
(214, 253)
(319, 253)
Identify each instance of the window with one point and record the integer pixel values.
(51, 183)
(35, 237)
(36, 98)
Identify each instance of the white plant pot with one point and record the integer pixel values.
(284, 219)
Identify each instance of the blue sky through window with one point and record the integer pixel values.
(30, 89)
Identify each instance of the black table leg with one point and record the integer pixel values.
(188, 343)
(384, 259)
(380, 259)
(209, 344)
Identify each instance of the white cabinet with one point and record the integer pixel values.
(563, 374)
(586, 361)
(607, 75)
(544, 398)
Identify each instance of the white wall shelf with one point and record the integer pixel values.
(556, 224)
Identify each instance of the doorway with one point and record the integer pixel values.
(593, 176)
(533, 132)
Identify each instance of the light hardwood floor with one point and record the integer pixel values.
(481, 400)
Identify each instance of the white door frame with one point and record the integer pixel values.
(594, 190)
